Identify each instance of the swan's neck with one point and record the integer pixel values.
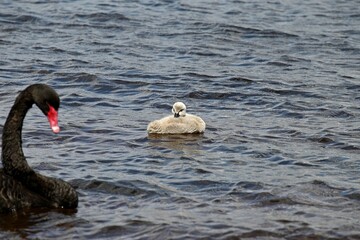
(12, 156)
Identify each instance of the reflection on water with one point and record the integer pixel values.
(19, 223)
(187, 143)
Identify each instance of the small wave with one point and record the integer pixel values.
(102, 17)
(211, 95)
(278, 64)
(254, 32)
(125, 188)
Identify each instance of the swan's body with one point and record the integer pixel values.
(179, 123)
(20, 186)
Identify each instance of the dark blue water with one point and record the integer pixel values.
(277, 83)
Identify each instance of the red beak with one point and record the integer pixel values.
(53, 119)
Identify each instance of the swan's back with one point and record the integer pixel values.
(13, 195)
(177, 125)
(39, 191)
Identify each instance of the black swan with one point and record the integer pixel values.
(20, 186)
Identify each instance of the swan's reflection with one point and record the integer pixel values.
(21, 221)
(186, 143)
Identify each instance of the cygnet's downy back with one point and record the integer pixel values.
(178, 123)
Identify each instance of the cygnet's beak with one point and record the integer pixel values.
(176, 115)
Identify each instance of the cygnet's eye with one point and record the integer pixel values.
(181, 110)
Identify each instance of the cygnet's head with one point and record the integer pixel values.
(179, 109)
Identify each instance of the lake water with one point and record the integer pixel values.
(277, 83)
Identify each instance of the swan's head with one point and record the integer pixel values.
(49, 102)
(179, 109)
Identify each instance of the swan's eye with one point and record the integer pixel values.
(53, 104)
(181, 110)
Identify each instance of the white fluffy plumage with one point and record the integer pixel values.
(179, 123)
